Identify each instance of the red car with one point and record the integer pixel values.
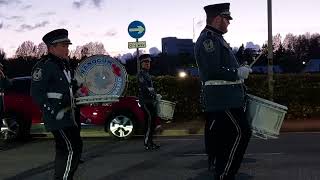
(121, 119)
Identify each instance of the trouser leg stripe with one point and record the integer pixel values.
(69, 160)
(235, 145)
(146, 138)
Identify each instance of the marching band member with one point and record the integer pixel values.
(147, 99)
(51, 88)
(227, 131)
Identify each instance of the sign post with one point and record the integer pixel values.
(136, 29)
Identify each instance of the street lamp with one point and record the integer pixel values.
(182, 74)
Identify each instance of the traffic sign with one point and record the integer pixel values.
(136, 29)
(139, 44)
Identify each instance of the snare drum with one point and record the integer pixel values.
(165, 109)
(265, 117)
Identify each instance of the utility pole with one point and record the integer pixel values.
(193, 30)
(270, 52)
(138, 62)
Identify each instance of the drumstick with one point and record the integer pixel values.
(255, 59)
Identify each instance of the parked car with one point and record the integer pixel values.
(121, 119)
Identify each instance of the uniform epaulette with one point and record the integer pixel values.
(209, 33)
(45, 59)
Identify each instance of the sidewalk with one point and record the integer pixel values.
(303, 125)
(196, 127)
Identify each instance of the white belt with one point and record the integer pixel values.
(54, 95)
(222, 82)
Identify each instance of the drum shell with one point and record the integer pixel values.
(165, 109)
(265, 117)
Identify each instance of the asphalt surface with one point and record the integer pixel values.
(294, 156)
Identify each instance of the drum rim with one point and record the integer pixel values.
(268, 102)
(166, 101)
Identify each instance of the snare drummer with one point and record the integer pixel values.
(147, 99)
(227, 131)
(51, 89)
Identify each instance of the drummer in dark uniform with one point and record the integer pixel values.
(147, 99)
(227, 131)
(51, 88)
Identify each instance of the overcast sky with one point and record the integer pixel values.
(107, 21)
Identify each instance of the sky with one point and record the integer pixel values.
(107, 21)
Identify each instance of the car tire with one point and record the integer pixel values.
(15, 128)
(121, 125)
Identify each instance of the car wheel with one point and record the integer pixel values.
(121, 125)
(9, 129)
(14, 128)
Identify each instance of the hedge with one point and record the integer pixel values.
(298, 92)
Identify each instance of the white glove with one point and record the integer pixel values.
(60, 115)
(244, 71)
(159, 97)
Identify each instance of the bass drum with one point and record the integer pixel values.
(101, 75)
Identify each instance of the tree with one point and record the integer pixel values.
(240, 54)
(290, 64)
(314, 50)
(2, 55)
(94, 48)
(276, 42)
(288, 42)
(26, 49)
(88, 49)
(41, 50)
(301, 47)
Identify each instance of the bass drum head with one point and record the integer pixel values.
(101, 75)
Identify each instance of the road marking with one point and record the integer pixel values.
(248, 154)
(178, 139)
(263, 154)
(311, 132)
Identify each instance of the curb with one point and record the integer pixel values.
(291, 126)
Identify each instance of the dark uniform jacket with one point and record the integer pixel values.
(147, 94)
(216, 61)
(50, 88)
(5, 83)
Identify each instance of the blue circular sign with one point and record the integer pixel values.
(136, 29)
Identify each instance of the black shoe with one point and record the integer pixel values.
(151, 146)
(211, 163)
(147, 147)
(155, 146)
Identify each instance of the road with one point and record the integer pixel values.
(294, 156)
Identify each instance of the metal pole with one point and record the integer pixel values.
(270, 52)
(193, 30)
(138, 63)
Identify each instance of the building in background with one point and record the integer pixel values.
(264, 69)
(312, 66)
(173, 46)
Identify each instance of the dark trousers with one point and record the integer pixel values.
(77, 119)
(208, 141)
(150, 113)
(228, 135)
(68, 151)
